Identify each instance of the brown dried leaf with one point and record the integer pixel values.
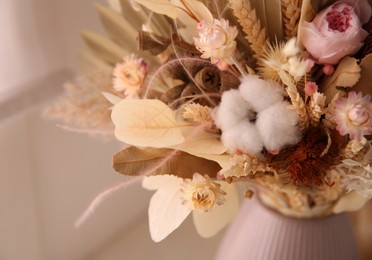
(347, 74)
(364, 84)
(134, 161)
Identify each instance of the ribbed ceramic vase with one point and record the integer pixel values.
(259, 233)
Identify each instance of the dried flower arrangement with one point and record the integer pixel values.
(211, 95)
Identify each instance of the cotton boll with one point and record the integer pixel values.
(244, 137)
(260, 93)
(277, 126)
(232, 110)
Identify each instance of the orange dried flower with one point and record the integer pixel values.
(304, 163)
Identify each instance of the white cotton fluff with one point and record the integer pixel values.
(244, 137)
(277, 126)
(232, 110)
(260, 93)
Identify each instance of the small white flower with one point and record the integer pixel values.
(129, 75)
(168, 209)
(216, 40)
(201, 193)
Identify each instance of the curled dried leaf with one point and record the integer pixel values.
(134, 161)
(347, 74)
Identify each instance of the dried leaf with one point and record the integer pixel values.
(147, 123)
(161, 7)
(347, 74)
(135, 161)
(113, 99)
(103, 47)
(364, 84)
(209, 223)
(307, 14)
(198, 9)
(204, 142)
(352, 201)
(118, 28)
(166, 210)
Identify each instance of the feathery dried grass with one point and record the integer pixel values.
(83, 105)
(251, 25)
(291, 10)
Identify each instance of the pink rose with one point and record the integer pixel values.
(336, 31)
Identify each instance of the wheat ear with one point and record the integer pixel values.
(291, 10)
(247, 17)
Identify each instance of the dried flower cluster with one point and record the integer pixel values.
(216, 97)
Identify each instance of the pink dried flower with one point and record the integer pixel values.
(311, 88)
(336, 31)
(353, 115)
(129, 75)
(216, 40)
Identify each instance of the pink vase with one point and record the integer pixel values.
(259, 233)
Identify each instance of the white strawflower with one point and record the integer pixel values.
(216, 40)
(201, 193)
(129, 75)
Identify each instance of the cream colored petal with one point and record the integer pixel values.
(146, 123)
(210, 223)
(166, 211)
(352, 201)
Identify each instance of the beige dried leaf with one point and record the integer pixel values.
(347, 74)
(118, 28)
(146, 123)
(199, 10)
(134, 161)
(307, 14)
(103, 47)
(364, 84)
(161, 7)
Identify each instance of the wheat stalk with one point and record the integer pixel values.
(291, 10)
(247, 17)
(316, 108)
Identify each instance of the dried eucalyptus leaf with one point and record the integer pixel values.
(118, 28)
(161, 7)
(347, 74)
(364, 84)
(103, 47)
(146, 123)
(135, 161)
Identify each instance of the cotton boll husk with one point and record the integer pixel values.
(243, 136)
(232, 110)
(260, 93)
(277, 126)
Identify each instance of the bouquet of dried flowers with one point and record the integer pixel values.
(270, 97)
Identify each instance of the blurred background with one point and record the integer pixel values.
(49, 175)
